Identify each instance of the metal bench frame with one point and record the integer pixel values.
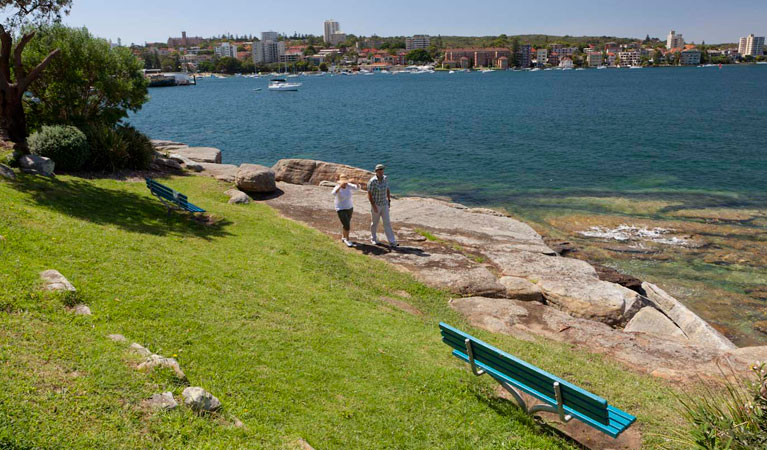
(176, 204)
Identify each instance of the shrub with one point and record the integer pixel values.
(65, 145)
(118, 148)
(732, 418)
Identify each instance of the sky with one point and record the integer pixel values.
(139, 21)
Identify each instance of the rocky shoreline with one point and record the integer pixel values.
(505, 278)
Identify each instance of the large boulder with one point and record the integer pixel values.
(255, 178)
(236, 196)
(650, 320)
(695, 328)
(222, 172)
(53, 280)
(521, 289)
(39, 165)
(535, 266)
(309, 171)
(7, 172)
(590, 299)
(200, 154)
(164, 402)
(200, 400)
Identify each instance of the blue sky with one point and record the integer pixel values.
(142, 21)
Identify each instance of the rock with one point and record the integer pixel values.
(187, 163)
(590, 299)
(330, 184)
(748, 356)
(255, 178)
(161, 163)
(236, 196)
(613, 276)
(695, 328)
(154, 361)
(160, 143)
(650, 320)
(308, 171)
(55, 281)
(164, 401)
(200, 400)
(521, 289)
(193, 166)
(221, 172)
(82, 310)
(496, 315)
(117, 337)
(141, 350)
(237, 422)
(7, 172)
(37, 164)
(303, 445)
(536, 266)
(200, 154)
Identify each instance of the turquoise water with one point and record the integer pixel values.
(493, 138)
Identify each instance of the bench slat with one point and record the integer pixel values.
(164, 192)
(573, 396)
(613, 429)
(542, 385)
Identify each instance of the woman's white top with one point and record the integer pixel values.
(343, 197)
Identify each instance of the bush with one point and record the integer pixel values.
(735, 418)
(118, 148)
(65, 145)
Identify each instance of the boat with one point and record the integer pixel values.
(488, 71)
(635, 67)
(535, 69)
(257, 89)
(580, 68)
(601, 67)
(452, 71)
(280, 84)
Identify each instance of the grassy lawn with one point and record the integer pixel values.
(281, 323)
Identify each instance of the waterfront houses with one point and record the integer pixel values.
(689, 56)
(751, 45)
(542, 56)
(594, 59)
(466, 58)
(630, 58)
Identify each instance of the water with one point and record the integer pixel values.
(568, 151)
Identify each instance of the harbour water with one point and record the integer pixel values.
(680, 151)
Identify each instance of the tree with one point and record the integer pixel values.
(657, 57)
(514, 60)
(418, 56)
(90, 83)
(22, 14)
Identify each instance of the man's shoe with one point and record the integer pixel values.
(374, 242)
(394, 245)
(348, 243)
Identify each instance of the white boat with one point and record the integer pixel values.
(580, 68)
(293, 75)
(452, 71)
(535, 69)
(635, 67)
(601, 67)
(279, 84)
(488, 71)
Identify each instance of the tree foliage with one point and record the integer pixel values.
(90, 82)
(418, 56)
(18, 13)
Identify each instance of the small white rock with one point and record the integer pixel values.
(141, 350)
(153, 361)
(54, 281)
(117, 337)
(200, 400)
(164, 401)
(82, 310)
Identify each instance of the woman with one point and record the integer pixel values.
(342, 195)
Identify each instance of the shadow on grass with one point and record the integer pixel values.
(127, 210)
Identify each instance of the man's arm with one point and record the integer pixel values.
(372, 203)
(388, 196)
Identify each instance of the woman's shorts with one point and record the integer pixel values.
(346, 218)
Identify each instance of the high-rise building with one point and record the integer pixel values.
(331, 27)
(523, 56)
(226, 50)
(417, 42)
(268, 49)
(751, 45)
(674, 40)
(337, 38)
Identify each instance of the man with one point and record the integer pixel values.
(380, 201)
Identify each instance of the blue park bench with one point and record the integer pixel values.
(514, 375)
(170, 198)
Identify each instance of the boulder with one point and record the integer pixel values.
(697, 330)
(160, 163)
(221, 172)
(82, 310)
(140, 349)
(186, 162)
(255, 178)
(153, 361)
(748, 356)
(7, 172)
(493, 314)
(521, 289)
(200, 400)
(309, 171)
(117, 337)
(590, 298)
(236, 196)
(37, 164)
(55, 281)
(164, 401)
(536, 266)
(650, 320)
(200, 154)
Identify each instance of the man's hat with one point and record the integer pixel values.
(380, 167)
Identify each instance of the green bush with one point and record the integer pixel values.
(121, 147)
(732, 418)
(65, 145)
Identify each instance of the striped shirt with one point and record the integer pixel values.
(378, 190)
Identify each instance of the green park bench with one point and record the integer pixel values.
(173, 200)
(514, 375)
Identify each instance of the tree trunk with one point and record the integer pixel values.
(12, 117)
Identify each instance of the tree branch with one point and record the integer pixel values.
(6, 42)
(17, 64)
(35, 73)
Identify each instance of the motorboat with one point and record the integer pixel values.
(488, 71)
(280, 84)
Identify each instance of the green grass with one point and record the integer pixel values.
(278, 321)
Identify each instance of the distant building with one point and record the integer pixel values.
(553, 59)
(225, 50)
(416, 42)
(542, 55)
(594, 59)
(751, 45)
(689, 57)
(331, 27)
(566, 63)
(184, 41)
(502, 63)
(524, 58)
(674, 40)
(337, 38)
(612, 47)
(268, 49)
(630, 58)
(474, 57)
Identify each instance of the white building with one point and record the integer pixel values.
(416, 42)
(674, 40)
(566, 63)
(542, 55)
(226, 50)
(268, 49)
(632, 58)
(331, 27)
(751, 45)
